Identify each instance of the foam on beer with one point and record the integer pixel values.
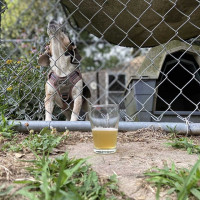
(104, 129)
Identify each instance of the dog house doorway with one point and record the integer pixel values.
(178, 84)
(116, 87)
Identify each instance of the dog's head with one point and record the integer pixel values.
(56, 32)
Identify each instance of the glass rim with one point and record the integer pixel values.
(104, 105)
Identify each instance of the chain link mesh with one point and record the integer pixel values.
(153, 77)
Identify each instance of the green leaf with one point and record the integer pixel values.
(70, 195)
(45, 183)
(195, 192)
(158, 192)
(6, 134)
(45, 130)
(184, 192)
(70, 172)
(5, 191)
(61, 174)
(170, 191)
(25, 181)
(26, 192)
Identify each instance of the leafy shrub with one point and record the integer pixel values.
(22, 89)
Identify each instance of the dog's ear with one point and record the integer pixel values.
(44, 60)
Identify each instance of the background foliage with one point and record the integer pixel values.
(24, 38)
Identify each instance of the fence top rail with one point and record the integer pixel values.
(16, 40)
(185, 128)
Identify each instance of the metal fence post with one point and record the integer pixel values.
(1, 5)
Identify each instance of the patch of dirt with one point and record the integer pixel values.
(137, 152)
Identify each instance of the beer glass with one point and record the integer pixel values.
(104, 121)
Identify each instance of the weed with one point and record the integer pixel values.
(7, 132)
(11, 145)
(6, 129)
(66, 178)
(183, 182)
(173, 132)
(5, 191)
(184, 143)
(44, 141)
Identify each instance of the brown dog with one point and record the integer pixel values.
(65, 85)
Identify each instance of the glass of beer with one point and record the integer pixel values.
(104, 121)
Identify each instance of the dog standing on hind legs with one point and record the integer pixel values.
(65, 86)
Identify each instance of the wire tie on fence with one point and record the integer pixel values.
(187, 122)
(188, 126)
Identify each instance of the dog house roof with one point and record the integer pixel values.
(155, 58)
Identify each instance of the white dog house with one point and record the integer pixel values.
(168, 85)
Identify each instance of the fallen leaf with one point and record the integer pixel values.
(19, 155)
(57, 151)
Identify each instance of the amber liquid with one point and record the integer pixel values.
(105, 138)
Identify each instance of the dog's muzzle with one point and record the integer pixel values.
(53, 27)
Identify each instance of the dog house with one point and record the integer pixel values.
(167, 87)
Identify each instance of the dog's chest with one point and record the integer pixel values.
(60, 63)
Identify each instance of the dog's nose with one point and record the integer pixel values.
(52, 21)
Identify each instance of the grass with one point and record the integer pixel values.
(6, 130)
(66, 178)
(184, 143)
(185, 183)
(44, 141)
(181, 142)
(5, 191)
(50, 178)
(63, 178)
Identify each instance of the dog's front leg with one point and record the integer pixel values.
(49, 102)
(76, 108)
(49, 105)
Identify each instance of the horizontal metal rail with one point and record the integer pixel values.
(17, 40)
(23, 126)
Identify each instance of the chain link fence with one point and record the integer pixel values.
(142, 55)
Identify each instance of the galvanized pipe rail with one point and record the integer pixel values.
(23, 126)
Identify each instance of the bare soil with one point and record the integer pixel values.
(137, 152)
